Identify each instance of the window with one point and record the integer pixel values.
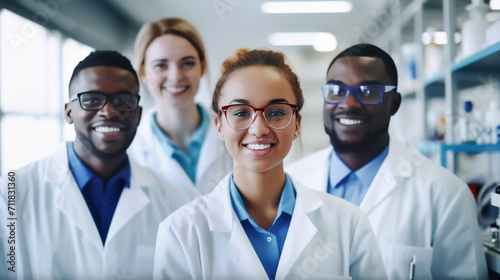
(35, 67)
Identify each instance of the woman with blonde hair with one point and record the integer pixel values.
(177, 139)
(259, 223)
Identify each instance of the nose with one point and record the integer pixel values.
(351, 101)
(174, 73)
(259, 127)
(109, 111)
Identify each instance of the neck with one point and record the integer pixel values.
(104, 168)
(179, 123)
(357, 159)
(261, 193)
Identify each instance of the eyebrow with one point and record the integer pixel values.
(165, 60)
(272, 101)
(362, 83)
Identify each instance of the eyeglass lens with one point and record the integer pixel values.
(120, 101)
(364, 93)
(276, 115)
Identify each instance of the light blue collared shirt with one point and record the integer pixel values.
(189, 161)
(349, 185)
(101, 198)
(268, 244)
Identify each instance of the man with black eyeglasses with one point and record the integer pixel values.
(424, 217)
(87, 211)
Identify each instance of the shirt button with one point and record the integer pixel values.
(269, 239)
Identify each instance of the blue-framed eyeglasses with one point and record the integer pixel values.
(241, 116)
(366, 94)
(95, 100)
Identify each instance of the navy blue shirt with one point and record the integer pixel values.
(101, 197)
(268, 244)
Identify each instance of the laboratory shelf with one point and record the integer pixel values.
(436, 79)
(467, 148)
(485, 60)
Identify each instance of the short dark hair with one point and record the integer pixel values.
(104, 58)
(370, 51)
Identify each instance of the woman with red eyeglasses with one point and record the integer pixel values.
(258, 222)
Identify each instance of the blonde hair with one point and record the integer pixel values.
(174, 26)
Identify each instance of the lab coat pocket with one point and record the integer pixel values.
(144, 263)
(407, 262)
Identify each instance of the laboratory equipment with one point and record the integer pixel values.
(474, 29)
(491, 240)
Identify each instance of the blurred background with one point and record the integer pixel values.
(441, 63)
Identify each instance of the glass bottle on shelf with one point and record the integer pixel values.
(470, 128)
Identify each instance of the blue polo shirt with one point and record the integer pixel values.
(268, 244)
(352, 185)
(101, 198)
(188, 161)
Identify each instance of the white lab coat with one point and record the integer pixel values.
(56, 237)
(416, 208)
(328, 238)
(213, 164)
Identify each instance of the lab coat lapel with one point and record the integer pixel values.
(300, 232)
(222, 218)
(132, 201)
(387, 178)
(70, 199)
(207, 154)
(321, 172)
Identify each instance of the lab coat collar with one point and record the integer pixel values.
(69, 198)
(221, 217)
(71, 202)
(132, 200)
(392, 173)
(301, 229)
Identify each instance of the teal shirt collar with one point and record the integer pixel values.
(189, 161)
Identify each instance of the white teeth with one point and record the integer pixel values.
(350, 122)
(259, 146)
(176, 89)
(107, 129)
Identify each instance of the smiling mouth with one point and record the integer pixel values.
(176, 89)
(350, 121)
(258, 147)
(107, 129)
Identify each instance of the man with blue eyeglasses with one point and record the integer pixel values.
(423, 215)
(88, 211)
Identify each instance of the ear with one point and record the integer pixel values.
(297, 126)
(67, 113)
(142, 77)
(140, 115)
(218, 125)
(396, 103)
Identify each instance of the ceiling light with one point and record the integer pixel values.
(306, 7)
(321, 41)
(440, 37)
(495, 4)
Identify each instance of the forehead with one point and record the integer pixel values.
(104, 78)
(170, 46)
(355, 70)
(258, 85)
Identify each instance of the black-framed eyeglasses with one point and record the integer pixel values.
(96, 100)
(366, 94)
(241, 116)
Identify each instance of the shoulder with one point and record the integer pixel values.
(160, 189)
(324, 202)
(191, 215)
(308, 161)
